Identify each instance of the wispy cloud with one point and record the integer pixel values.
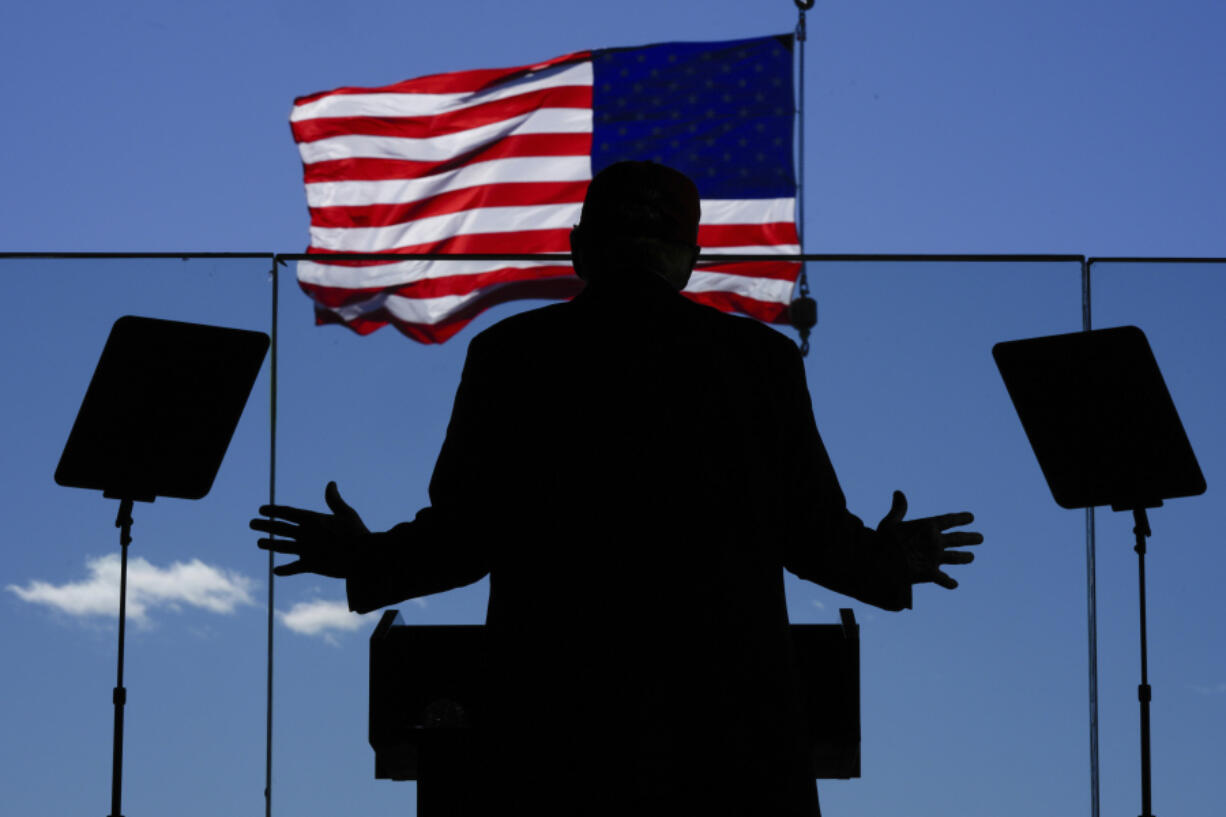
(1209, 689)
(327, 618)
(190, 584)
(323, 618)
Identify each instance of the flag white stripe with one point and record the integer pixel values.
(495, 171)
(770, 290)
(534, 169)
(747, 211)
(504, 220)
(465, 222)
(436, 310)
(757, 249)
(426, 310)
(438, 228)
(383, 103)
(401, 273)
(410, 310)
(438, 148)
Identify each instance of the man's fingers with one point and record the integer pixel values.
(293, 568)
(945, 581)
(287, 546)
(275, 527)
(299, 515)
(959, 539)
(956, 557)
(949, 520)
(898, 509)
(332, 496)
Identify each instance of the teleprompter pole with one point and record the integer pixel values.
(1144, 693)
(123, 521)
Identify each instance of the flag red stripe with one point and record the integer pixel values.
(545, 289)
(452, 201)
(522, 241)
(426, 127)
(437, 287)
(510, 194)
(457, 82)
(747, 235)
(535, 144)
(769, 312)
(336, 297)
(531, 241)
(778, 270)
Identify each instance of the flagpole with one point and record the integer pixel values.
(802, 312)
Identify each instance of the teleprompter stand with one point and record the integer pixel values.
(1105, 432)
(156, 421)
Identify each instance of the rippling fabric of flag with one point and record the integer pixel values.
(498, 161)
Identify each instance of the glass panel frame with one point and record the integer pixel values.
(194, 663)
(905, 394)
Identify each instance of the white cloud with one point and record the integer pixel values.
(818, 604)
(1208, 689)
(194, 584)
(323, 618)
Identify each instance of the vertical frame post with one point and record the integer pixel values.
(1091, 591)
(272, 499)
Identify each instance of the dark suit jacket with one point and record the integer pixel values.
(633, 471)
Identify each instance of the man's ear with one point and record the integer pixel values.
(577, 259)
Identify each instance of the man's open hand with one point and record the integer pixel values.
(324, 543)
(926, 544)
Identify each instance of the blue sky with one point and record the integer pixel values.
(949, 126)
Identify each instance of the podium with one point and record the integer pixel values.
(428, 698)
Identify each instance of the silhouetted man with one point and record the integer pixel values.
(633, 471)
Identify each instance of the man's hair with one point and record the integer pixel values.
(639, 216)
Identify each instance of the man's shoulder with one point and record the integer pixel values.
(750, 328)
(555, 323)
(743, 331)
(534, 322)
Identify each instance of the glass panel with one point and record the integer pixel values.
(907, 396)
(975, 694)
(905, 393)
(369, 412)
(1179, 307)
(195, 638)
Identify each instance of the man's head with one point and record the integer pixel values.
(638, 216)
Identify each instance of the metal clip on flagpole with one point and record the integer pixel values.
(1144, 694)
(802, 311)
(1105, 432)
(156, 421)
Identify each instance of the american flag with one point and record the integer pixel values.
(498, 161)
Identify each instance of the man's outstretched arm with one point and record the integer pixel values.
(327, 544)
(879, 567)
(926, 544)
(830, 546)
(446, 546)
(379, 569)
